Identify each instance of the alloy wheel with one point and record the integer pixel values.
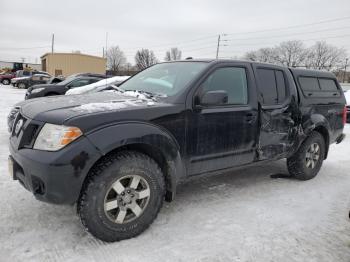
(312, 155)
(126, 199)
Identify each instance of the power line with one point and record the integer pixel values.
(302, 33)
(309, 39)
(294, 26)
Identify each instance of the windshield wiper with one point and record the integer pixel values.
(147, 93)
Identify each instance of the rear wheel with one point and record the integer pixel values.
(5, 81)
(122, 196)
(307, 161)
(22, 86)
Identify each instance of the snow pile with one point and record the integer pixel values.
(347, 97)
(95, 87)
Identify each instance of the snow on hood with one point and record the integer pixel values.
(111, 105)
(97, 86)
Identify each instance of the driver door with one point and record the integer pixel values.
(221, 136)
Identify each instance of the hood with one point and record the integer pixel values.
(58, 109)
(41, 86)
(20, 78)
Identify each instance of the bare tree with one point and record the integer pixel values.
(264, 55)
(291, 53)
(115, 59)
(145, 58)
(325, 56)
(173, 54)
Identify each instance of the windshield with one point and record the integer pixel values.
(164, 79)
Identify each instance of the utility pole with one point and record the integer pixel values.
(52, 43)
(344, 74)
(219, 44)
(106, 44)
(218, 47)
(106, 54)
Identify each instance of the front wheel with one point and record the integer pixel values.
(307, 161)
(122, 196)
(5, 81)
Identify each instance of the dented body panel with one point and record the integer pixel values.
(185, 138)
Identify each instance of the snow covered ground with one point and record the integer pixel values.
(239, 216)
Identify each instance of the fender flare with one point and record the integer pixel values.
(129, 134)
(319, 123)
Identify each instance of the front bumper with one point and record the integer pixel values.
(54, 177)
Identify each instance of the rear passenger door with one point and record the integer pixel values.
(278, 114)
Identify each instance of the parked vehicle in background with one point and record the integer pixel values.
(25, 75)
(5, 78)
(60, 88)
(104, 84)
(345, 86)
(118, 155)
(347, 97)
(36, 79)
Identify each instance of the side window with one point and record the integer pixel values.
(91, 81)
(35, 78)
(281, 86)
(327, 84)
(233, 80)
(268, 87)
(79, 82)
(309, 83)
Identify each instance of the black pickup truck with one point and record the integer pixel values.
(119, 154)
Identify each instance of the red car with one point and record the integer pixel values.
(5, 78)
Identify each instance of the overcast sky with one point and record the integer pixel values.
(191, 25)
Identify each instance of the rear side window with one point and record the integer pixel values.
(318, 87)
(309, 83)
(327, 84)
(272, 86)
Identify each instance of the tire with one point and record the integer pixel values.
(6, 81)
(22, 86)
(102, 186)
(305, 164)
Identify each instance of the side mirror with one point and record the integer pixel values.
(217, 97)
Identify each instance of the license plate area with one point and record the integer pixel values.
(11, 165)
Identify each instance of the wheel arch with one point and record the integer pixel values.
(145, 138)
(318, 123)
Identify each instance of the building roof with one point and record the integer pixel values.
(72, 54)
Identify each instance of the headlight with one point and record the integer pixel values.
(54, 137)
(37, 90)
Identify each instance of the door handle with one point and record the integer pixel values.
(250, 117)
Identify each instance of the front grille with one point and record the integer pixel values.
(29, 135)
(24, 131)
